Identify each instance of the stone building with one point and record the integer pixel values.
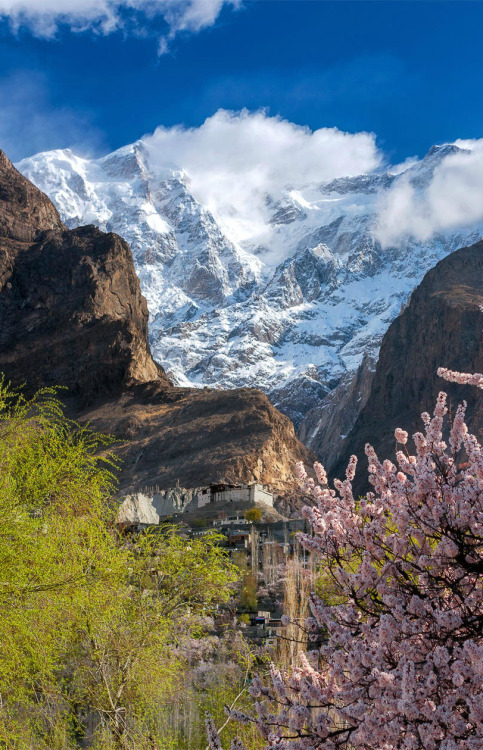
(252, 493)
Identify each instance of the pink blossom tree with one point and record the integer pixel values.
(401, 665)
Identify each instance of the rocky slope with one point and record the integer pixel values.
(197, 436)
(441, 327)
(293, 308)
(72, 314)
(327, 425)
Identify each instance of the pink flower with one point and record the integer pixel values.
(463, 378)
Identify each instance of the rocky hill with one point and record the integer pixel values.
(196, 436)
(294, 306)
(442, 326)
(72, 314)
(71, 308)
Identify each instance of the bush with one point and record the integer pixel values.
(254, 515)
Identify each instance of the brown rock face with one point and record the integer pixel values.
(72, 314)
(24, 210)
(71, 309)
(441, 327)
(199, 436)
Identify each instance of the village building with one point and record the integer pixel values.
(252, 493)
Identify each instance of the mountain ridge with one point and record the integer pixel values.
(294, 311)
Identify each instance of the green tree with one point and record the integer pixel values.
(254, 515)
(56, 544)
(134, 655)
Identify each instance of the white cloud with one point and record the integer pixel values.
(235, 159)
(43, 17)
(453, 198)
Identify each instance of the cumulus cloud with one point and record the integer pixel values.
(452, 199)
(43, 17)
(236, 159)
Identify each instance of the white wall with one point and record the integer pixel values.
(258, 494)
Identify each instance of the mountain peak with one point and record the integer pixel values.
(422, 172)
(308, 288)
(445, 149)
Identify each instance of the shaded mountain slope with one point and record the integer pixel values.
(442, 326)
(196, 436)
(72, 314)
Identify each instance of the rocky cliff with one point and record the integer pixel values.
(442, 326)
(24, 210)
(71, 308)
(72, 314)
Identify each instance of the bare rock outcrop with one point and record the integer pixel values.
(200, 436)
(71, 309)
(25, 211)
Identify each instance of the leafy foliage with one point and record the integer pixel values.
(254, 515)
(92, 624)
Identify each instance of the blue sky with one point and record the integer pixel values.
(410, 71)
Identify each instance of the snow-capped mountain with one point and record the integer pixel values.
(294, 308)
